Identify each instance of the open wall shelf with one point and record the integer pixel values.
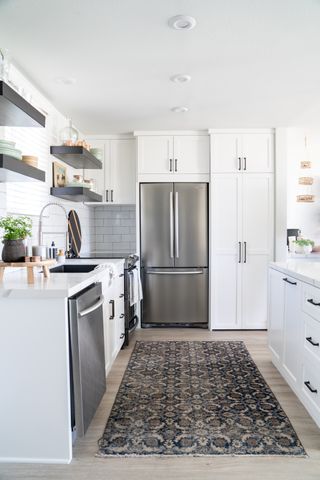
(76, 157)
(13, 170)
(76, 194)
(15, 111)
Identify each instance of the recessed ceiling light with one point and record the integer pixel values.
(65, 80)
(182, 22)
(180, 78)
(180, 109)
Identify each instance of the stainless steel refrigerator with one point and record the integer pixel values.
(174, 253)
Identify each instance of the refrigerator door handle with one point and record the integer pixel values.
(176, 224)
(189, 272)
(171, 225)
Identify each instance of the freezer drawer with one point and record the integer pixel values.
(175, 296)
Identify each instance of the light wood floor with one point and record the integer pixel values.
(86, 467)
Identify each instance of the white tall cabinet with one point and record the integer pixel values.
(241, 228)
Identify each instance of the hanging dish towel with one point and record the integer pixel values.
(135, 287)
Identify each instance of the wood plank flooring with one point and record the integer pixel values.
(86, 467)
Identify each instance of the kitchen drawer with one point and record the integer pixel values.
(311, 383)
(311, 301)
(311, 333)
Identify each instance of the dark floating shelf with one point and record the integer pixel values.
(15, 111)
(13, 170)
(76, 157)
(76, 194)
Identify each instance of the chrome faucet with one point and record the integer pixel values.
(66, 233)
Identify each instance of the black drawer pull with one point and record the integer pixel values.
(122, 336)
(121, 295)
(288, 281)
(312, 390)
(310, 300)
(122, 315)
(112, 310)
(309, 339)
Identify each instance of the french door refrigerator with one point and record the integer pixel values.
(174, 253)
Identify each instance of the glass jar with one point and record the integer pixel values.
(69, 135)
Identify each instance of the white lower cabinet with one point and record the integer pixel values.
(294, 337)
(114, 323)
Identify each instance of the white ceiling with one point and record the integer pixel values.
(254, 63)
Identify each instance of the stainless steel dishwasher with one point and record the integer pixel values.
(87, 360)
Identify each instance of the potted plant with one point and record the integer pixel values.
(16, 230)
(303, 245)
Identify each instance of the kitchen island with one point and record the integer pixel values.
(294, 328)
(35, 414)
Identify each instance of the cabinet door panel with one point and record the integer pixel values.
(257, 213)
(225, 152)
(225, 212)
(225, 232)
(191, 154)
(224, 292)
(123, 170)
(257, 152)
(154, 154)
(292, 329)
(276, 313)
(254, 291)
(99, 175)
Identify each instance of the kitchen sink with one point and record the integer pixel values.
(68, 268)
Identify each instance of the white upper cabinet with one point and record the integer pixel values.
(225, 153)
(242, 152)
(155, 154)
(167, 154)
(117, 181)
(122, 180)
(191, 154)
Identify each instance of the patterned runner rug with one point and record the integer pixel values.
(196, 398)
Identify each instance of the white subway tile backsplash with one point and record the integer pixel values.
(115, 228)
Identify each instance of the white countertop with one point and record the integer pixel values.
(15, 284)
(304, 269)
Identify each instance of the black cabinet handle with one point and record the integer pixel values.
(245, 163)
(239, 253)
(239, 163)
(312, 390)
(170, 164)
(175, 164)
(314, 344)
(245, 252)
(122, 336)
(107, 195)
(288, 281)
(121, 295)
(121, 275)
(112, 311)
(310, 300)
(111, 195)
(122, 315)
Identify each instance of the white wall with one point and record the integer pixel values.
(25, 198)
(305, 216)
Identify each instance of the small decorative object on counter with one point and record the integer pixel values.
(303, 245)
(53, 251)
(69, 135)
(61, 258)
(39, 251)
(16, 230)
